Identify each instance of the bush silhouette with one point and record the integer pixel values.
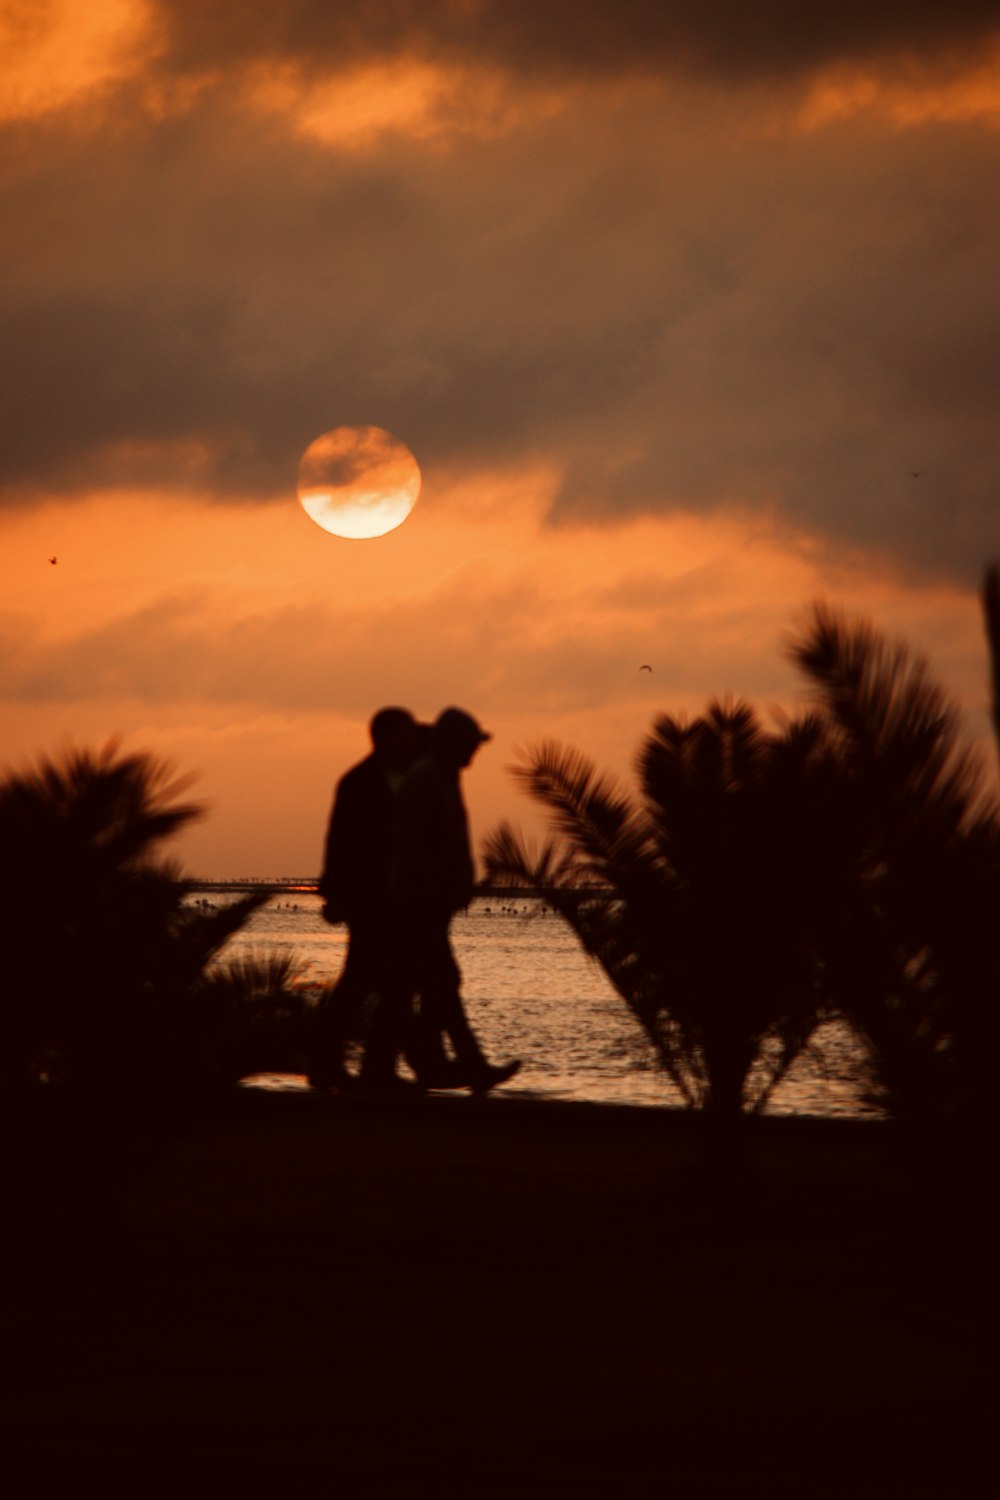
(101, 952)
(254, 1017)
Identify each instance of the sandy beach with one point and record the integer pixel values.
(501, 1297)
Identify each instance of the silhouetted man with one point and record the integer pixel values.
(433, 880)
(355, 887)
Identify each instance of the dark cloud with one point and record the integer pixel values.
(671, 306)
(186, 283)
(192, 285)
(729, 40)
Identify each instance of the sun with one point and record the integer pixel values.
(358, 482)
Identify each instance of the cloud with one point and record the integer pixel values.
(54, 52)
(657, 293)
(730, 40)
(547, 634)
(191, 647)
(241, 643)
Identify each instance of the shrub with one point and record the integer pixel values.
(705, 902)
(101, 952)
(913, 961)
(253, 1016)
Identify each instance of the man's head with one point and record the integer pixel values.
(456, 737)
(394, 737)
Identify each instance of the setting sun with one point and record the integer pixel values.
(358, 482)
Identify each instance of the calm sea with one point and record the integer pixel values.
(531, 992)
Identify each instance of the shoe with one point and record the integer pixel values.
(492, 1074)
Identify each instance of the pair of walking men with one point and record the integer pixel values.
(397, 866)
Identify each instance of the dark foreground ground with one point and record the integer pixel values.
(490, 1298)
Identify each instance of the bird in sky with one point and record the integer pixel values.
(645, 668)
(914, 473)
(53, 560)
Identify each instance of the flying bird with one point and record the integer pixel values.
(53, 560)
(914, 473)
(644, 668)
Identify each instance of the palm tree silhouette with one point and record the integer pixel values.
(101, 951)
(913, 963)
(705, 902)
(846, 865)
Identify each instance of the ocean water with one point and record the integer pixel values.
(531, 992)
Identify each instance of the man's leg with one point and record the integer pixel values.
(443, 1011)
(402, 1008)
(338, 1019)
(441, 1001)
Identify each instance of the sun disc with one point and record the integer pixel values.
(358, 482)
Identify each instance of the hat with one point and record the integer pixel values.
(455, 727)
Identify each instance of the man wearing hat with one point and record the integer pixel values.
(434, 879)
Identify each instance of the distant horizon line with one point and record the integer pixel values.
(309, 886)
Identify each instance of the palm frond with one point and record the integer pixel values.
(898, 729)
(600, 822)
(251, 1015)
(914, 968)
(197, 936)
(272, 977)
(510, 861)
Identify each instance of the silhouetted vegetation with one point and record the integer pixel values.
(847, 865)
(253, 1017)
(912, 959)
(102, 954)
(720, 882)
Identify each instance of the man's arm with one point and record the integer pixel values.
(341, 849)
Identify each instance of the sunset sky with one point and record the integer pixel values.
(690, 315)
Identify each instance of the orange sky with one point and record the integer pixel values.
(682, 337)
